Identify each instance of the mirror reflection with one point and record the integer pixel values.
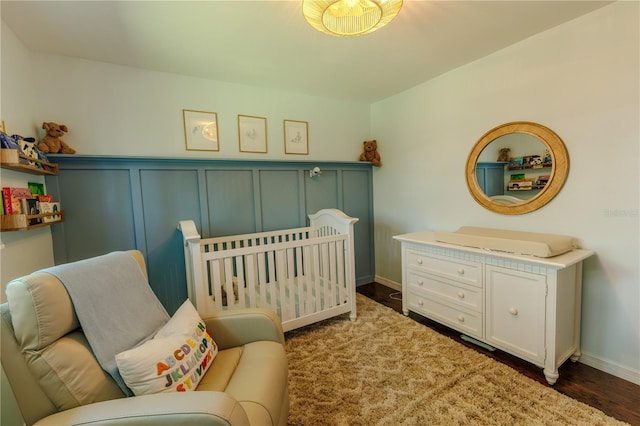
(517, 167)
(514, 168)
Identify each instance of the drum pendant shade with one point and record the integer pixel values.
(349, 17)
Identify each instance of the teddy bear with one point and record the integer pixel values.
(51, 143)
(370, 153)
(504, 154)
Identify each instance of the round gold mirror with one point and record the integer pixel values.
(517, 167)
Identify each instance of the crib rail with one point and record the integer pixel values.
(304, 274)
(294, 278)
(231, 242)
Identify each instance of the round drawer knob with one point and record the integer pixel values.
(460, 318)
(419, 261)
(461, 271)
(420, 282)
(513, 311)
(461, 295)
(420, 302)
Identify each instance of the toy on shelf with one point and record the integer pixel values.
(51, 143)
(370, 153)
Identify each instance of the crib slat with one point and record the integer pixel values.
(273, 296)
(251, 279)
(290, 289)
(299, 303)
(240, 276)
(262, 278)
(324, 257)
(215, 279)
(316, 276)
(303, 296)
(333, 274)
(343, 295)
(281, 281)
(228, 282)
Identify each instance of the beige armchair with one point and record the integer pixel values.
(57, 381)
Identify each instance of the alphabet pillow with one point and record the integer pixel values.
(174, 360)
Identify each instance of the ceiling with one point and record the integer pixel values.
(269, 44)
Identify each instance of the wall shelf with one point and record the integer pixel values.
(10, 159)
(20, 222)
(530, 167)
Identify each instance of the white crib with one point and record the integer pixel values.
(304, 274)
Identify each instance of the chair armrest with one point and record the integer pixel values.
(241, 326)
(173, 408)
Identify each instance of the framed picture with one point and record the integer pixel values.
(296, 137)
(252, 133)
(200, 130)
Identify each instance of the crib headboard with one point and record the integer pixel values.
(332, 218)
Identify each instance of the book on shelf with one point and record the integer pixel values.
(12, 199)
(6, 200)
(49, 207)
(30, 206)
(36, 188)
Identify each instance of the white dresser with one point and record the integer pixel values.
(524, 305)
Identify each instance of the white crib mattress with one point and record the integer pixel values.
(518, 242)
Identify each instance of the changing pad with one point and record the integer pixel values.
(518, 242)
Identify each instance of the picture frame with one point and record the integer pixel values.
(252, 133)
(200, 130)
(296, 137)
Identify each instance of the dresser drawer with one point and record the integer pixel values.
(469, 323)
(462, 270)
(444, 289)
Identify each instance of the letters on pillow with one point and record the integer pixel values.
(175, 359)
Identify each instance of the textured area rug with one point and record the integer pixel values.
(387, 369)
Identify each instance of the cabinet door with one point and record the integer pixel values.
(516, 312)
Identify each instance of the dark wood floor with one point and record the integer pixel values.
(614, 396)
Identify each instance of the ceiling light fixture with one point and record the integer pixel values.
(349, 17)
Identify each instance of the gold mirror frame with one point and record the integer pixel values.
(559, 171)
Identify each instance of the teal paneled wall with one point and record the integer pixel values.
(357, 193)
(98, 207)
(123, 203)
(230, 202)
(167, 195)
(321, 191)
(280, 199)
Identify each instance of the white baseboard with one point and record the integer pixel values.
(388, 283)
(613, 368)
(610, 367)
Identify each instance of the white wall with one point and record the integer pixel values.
(579, 79)
(111, 109)
(20, 252)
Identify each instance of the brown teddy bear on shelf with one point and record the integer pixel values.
(51, 143)
(504, 154)
(370, 153)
